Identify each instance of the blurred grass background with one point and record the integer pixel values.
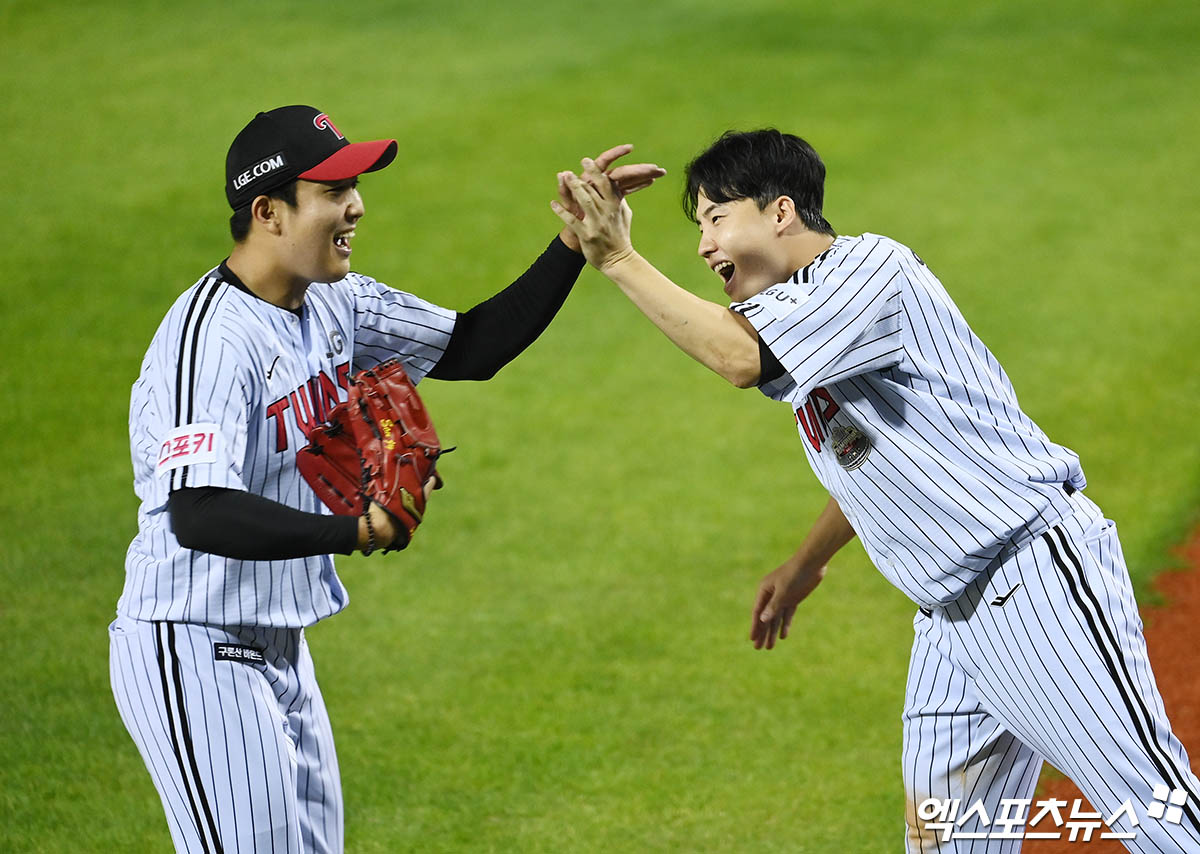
(558, 663)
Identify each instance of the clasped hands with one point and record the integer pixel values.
(592, 204)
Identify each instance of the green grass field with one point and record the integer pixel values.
(559, 662)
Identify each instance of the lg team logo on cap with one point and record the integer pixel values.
(258, 170)
(323, 122)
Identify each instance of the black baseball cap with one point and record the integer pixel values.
(286, 143)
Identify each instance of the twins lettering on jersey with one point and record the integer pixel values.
(851, 446)
(814, 416)
(309, 404)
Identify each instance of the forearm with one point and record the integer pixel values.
(237, 524)
(828, 534)
(496, 331)
(711, 334)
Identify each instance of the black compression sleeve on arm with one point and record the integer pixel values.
(771, 369)
(237, 524)
(493, 333)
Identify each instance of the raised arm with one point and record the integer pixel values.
(496, 331)
(628, 178)
(716, 337)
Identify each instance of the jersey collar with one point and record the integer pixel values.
(231, 277)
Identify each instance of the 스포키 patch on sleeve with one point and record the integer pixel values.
(189, 445)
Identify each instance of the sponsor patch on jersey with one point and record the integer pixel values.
(781, 300)
(238, 652)
(189, 445)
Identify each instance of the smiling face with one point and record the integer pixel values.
(742, 244)
(316, 233)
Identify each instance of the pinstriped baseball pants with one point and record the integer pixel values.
(232, 727)
(1043, 658)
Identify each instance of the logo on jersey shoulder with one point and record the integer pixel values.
(264, 167)
(821, 419)
(238, 652)
(336, 343)
(781, 300)
(189, 445)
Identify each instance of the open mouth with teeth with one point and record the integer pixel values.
(342, 241)
(724, 270)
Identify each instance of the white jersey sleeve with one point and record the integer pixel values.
(190, 431)
(394, 324)
(827, 324)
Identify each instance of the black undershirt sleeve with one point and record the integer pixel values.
(237, 524)
(771, 368)
(496, 331)
(493, 333)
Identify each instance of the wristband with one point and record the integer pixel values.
(370, 529)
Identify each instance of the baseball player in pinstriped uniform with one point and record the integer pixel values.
(232, 559)
(1027, 641)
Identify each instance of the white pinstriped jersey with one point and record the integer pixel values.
(906, 417)
(229, 389)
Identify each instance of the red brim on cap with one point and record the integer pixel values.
(353, 159)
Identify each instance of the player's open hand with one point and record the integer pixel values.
(778, 596)
(603, 228)
(625, 179)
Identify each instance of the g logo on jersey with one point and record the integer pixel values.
(323, 122)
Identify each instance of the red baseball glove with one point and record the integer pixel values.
(378, 446)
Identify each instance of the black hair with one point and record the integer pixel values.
(761, 165)
(239, 223)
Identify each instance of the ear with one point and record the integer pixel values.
(783, 210)
(265, 212)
